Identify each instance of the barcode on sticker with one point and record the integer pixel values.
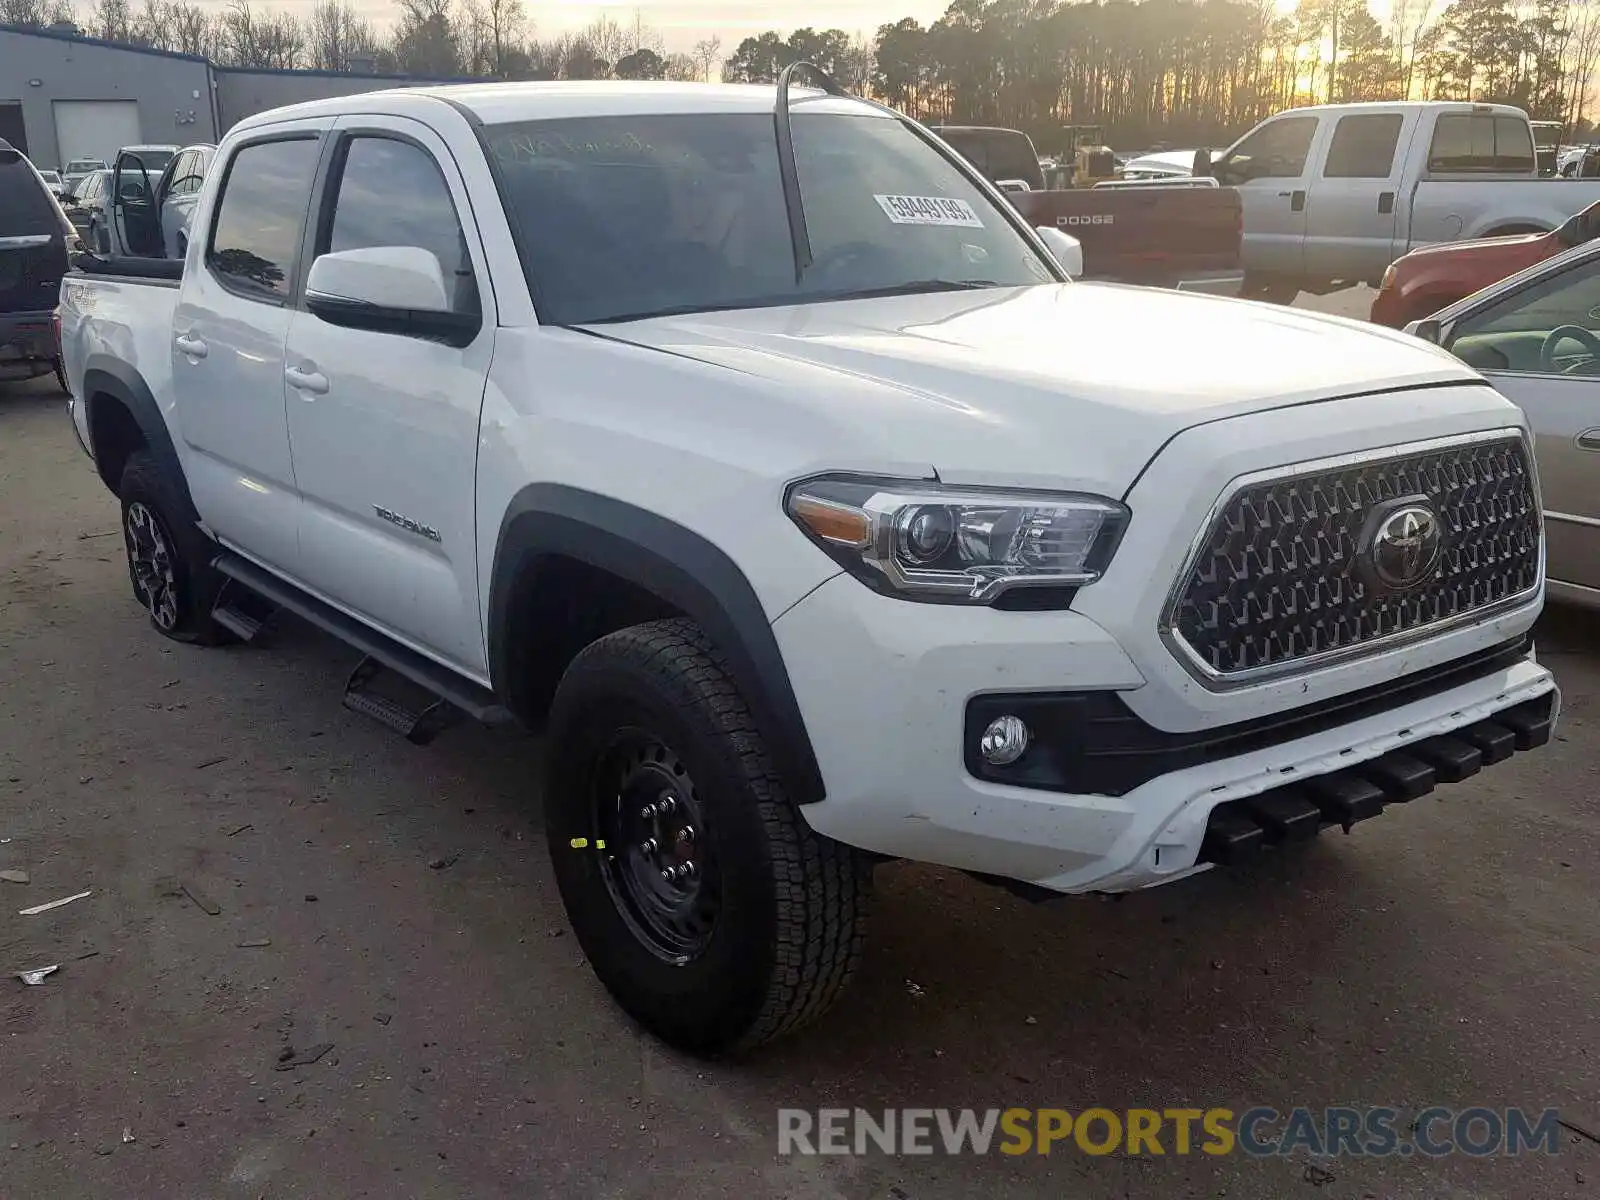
(929, 210)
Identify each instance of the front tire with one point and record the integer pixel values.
(708, 909)
(169, 560)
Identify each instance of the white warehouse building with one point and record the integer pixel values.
(65, 96)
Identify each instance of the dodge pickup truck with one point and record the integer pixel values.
(1160, 237)
(1333, 194)
(748, 443)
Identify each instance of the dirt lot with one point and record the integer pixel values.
(1447, 953)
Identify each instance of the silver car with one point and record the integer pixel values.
(1536, 337)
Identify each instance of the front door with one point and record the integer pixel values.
(1270, 166)
(227, 350)
(1539, 345)
(384, 425)
(135, 208)
(1350, 220)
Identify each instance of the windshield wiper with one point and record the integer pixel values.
(913, 288)
(788, 170)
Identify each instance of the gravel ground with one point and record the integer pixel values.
(1447, 953)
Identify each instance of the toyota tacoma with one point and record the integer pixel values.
(750, 444)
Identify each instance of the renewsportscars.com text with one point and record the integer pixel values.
(1257, 1132)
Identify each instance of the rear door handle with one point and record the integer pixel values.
(1385, 203)
(1296, 199)
(192, 346)
(307, 381)
(1589, 439)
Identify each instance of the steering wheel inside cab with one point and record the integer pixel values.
(1589, 365)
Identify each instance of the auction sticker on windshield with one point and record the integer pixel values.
(929, 210)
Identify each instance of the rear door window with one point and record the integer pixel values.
(1363, 147)
(256, 238)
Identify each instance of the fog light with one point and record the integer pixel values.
(1005, 741)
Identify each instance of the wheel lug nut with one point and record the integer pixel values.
(670, 874)
(648, 811)
(686, 835)
(648, 847)
(668, 804)
(688, 871)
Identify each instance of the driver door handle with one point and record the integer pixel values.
(307, 381)
(1589, 439)
(192, 346)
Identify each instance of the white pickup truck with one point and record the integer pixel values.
(1333, 194)
(759, 453)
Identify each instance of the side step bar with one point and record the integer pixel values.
(477, 702)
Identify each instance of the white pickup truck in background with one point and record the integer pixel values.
(1333, 194)
(750, 443)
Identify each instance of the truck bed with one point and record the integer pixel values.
(1159, 236)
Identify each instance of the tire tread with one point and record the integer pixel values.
(822, 887)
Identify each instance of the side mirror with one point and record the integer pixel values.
(1202, 164)
(1429, 329)
(387, 289)
(1064, 248)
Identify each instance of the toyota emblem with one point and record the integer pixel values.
(1404, 549)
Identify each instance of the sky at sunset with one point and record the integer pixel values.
(684, 22)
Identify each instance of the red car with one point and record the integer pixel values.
(1419, 284)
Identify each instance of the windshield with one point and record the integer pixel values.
(152, 160)
(628, 217)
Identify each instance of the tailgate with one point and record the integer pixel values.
(31, 267)
(1156, 235)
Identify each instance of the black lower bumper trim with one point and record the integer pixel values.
(1238, 830)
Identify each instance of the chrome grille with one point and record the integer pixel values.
(1275, 584)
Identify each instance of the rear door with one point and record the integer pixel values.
(1350, 214)
(228, 331)
(1271, 167)
(1537, 340)
(384, 424)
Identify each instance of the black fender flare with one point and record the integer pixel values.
(681, 568)
(106, 376)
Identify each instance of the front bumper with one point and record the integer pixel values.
(885, 686)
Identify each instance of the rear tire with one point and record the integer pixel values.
(763, 926)
(169, 559)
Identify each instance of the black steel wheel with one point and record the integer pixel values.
(658, 867)
(705, 904)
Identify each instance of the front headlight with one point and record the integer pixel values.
(925, 541)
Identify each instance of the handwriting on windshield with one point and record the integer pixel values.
(527, 147)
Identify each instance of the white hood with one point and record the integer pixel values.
(1057, 385)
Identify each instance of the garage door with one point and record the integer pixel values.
(95, 128)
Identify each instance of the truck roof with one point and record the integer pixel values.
(1377, 106)
(495, 103)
